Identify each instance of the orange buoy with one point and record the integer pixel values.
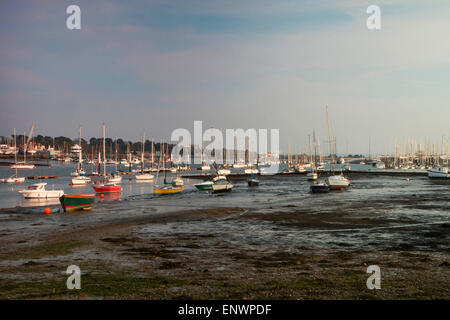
(102, 196)
(71, 184)
(47, 211)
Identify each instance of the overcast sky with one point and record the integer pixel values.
(160, 65)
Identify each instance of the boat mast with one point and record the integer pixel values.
(104, 150)
(79, 153)
(310, 149)
(164, 160)
(142, 155)
(115, 155)
(331, 143)
(153, 153)
(15, 150)
(315, 151)
(24, 150)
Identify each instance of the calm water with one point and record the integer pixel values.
(393, 200)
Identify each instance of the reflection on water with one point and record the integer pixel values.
(275, 213)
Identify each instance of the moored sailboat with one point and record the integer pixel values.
(80, 177)
(14, 178)
(24, 164)
(143, 176)
(335, 182)
(166, 187)
(109, 186)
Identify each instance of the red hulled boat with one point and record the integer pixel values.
(107, 188)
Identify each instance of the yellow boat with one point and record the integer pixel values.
(167, 189)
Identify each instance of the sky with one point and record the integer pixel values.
(156, 66)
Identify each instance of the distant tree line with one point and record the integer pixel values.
(94, 145)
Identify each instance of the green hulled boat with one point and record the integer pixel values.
(77, 202)
(205, 185)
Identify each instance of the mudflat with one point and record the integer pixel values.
(225, 253)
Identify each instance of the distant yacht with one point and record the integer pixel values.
(439, 173)
(142, 176)
(14, 178)
(223, 172)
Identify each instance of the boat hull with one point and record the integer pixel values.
(253, 183)
(440, 173)
(338, 187)
(107, 189)
(14, 180)
(117, 179)
(80, 181)
(144, 177)
(320, 189)
(204, 186)
(163, 190)
(72, 203)
(338, 183)
(23, 166)
(218, 188)
(41, 194)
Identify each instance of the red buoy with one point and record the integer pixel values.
(102, 196)
(47, 211)
(71, 184)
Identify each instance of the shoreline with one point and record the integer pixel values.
(172, 255)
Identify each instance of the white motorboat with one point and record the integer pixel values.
(144, 177)
(206, 167)
(38, 191)
(338, 182)
(438, 173)
(221, 184)
(81, 180)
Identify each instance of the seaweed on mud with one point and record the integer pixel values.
(119, 240)
(171, 265)
(150, 252)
